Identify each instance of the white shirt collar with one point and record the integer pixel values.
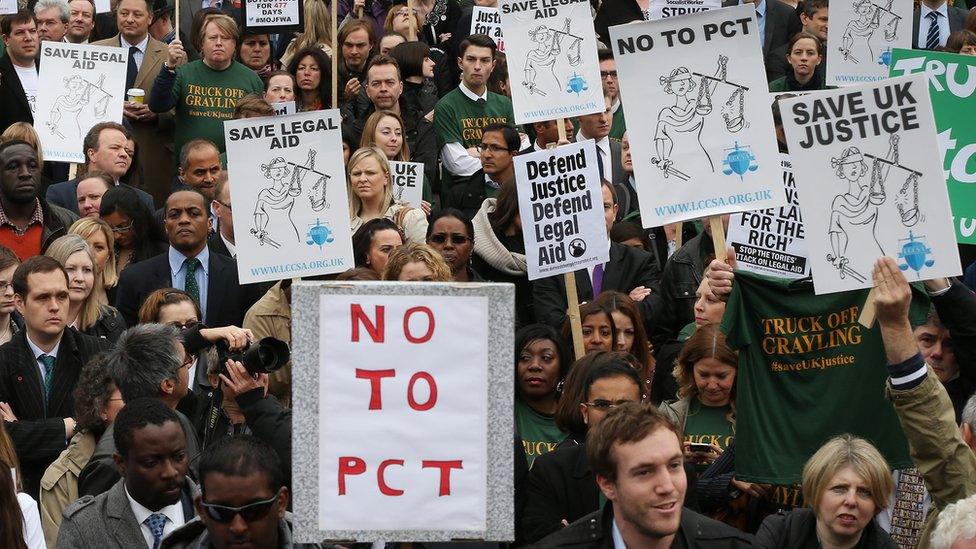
(618, 538)
(616, 104)
(230, 245)
(941, 10)
(141, 45)
(173, 512)
(176, 259)
(602, 144)
(471, 95)
(38, 352)
(760, 6)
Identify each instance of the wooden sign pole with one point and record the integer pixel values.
(412, 33)
(572, 297)
(718, 237)
(335, 55)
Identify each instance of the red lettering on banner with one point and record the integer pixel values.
(381, 480)
(374, 377)
(430, 325)
(375, 330)
(349, 466)
(431, 399)
(445, 467)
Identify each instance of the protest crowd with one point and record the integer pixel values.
(662, 395)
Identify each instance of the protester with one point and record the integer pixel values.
(9, 327)
(631, 234)
(401, 20)
(270, 316)
(222, 240)
(252, 105)
(90, 189)
(373, 243)
(356, 40)
(18, 511)
(137, 236)
(948, 19)
(199, 169)
(416, 71)
(417, 262)
(280, 87)
(98, 234)
(85, 313)
(389, 41)
(52, 19)
(598, 330)
(452, 234)
(846, 482)
(804, 54)
(597, 127)
(499, 144)
(957, 525)
(813, 18)
(18, 68)
(371, 195)
(384, 130)
(631, 337)
(547, 133)
(311, 69)
(254, 52)
(439, 19)
(317, 33)
(541, 363)
(81, 21)
(962, 41)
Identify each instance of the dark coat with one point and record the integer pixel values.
(109, 326)
(594, 531)
(12, 97)
(957, 20)
(679, 282)
(217, 245)
(615, 12)
(780, 20)
(65, 194)
(466, 194)
(56, 222)
(270, 422)
(227, 299)
(956, 309)
(798, 530)
(38, 433)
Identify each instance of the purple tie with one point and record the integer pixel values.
(597, 279)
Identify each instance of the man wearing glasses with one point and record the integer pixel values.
(499, 144)
(608, 74)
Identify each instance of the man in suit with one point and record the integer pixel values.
(598, 127)
(107, 148)
(154, 496)
(81, 21)
(153, 133)
(222, 240)
(188, 265)
(629, 270)
(814, 18)
(947, 20)
(774, 19)
(52, 19)
(499, 145)
(18, 71)
(547, 133)
(39, 368)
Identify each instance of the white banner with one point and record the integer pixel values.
(404, 430)
(662, 9)
(551, 52)
(408, 182)
(870, 182)
(488, 21)
(861, 36)
(289, 193)
(283, 108)
(697, 88)
(79, 85)
(271, 13)
(103, 6)
(561, 205)
(8, 7)
(771, 241)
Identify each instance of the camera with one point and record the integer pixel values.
(262, 357)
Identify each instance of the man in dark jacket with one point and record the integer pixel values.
(637, 457)
(17, 96)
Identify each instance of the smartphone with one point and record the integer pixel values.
(700, 447)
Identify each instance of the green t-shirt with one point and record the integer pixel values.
(807, 371)
(619, 125)
(708, 425)
(206, 97)
(458, 119)
(538, 431)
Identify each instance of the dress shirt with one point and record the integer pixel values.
(177, 266)
(924, 22)
(231, 248)
(760, 18)
(454, 156)
(603, 149)
(141, 46)
(38, 352)
(173, 512)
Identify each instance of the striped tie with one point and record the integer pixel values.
(932, 38)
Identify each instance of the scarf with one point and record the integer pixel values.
(487, 245)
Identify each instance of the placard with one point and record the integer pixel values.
(273, 16)
(952, 85)
(408, 182)
(697, 85)
(387, 425)
(870, 182)
(488, 21)
(771, 241)
(289, 193)
(79, 85)
(561, 206)
(552, 50)
(8, 7)
(662, 9)
(861, 36)
(103, 6)
(283, 108)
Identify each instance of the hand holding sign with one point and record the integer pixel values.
(175, 54)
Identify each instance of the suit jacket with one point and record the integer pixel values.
(217, 245)
(780, 20)
(153, 138)
(627, 269)
(560, 487)
(65, 194)
(957, 21)
(227, 299)
(107, 521)
(38, 433)
(12, 97)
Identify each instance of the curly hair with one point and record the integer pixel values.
(413, 252)
(95, 387)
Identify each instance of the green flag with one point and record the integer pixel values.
(952, 83)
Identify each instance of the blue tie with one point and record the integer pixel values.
(155, 522)
(932, 38)
(48, 362)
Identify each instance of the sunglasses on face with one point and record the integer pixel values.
(250, 512)
(456, 239)
(601, 404)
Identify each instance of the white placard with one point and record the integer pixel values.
(408, 182)
(488, 21)
(403, 430)
(861, 36)
(8, 7)
(552, 50)
(79, 85)
(288, 187)
(771, 241)
(271, 13)
(283, 108)
(103, 6)
(697, 88)
(662, 9)
(561, 206)
(870, 182)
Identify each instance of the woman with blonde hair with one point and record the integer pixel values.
(371, 195)
(846, 484)
(318, 32)
(98, 234)
(84, 312)
(416, 262)
(385, 130)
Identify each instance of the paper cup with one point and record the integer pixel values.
(136, 95)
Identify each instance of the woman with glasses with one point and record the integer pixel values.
(452, 234)
(371, 195)
(385, 130)
(9, 327)
(541, 363)
(97, 402)
(98, 234)
(137, 234)
(84, 311)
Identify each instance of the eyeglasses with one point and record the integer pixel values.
(4, 285)
(123, 228)
(601, 404)
(224, 204)
(250, 512)
(456, 239)
(184, 325)
(611, 74)
(489, 148)
(405, 12)
(187, 361)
